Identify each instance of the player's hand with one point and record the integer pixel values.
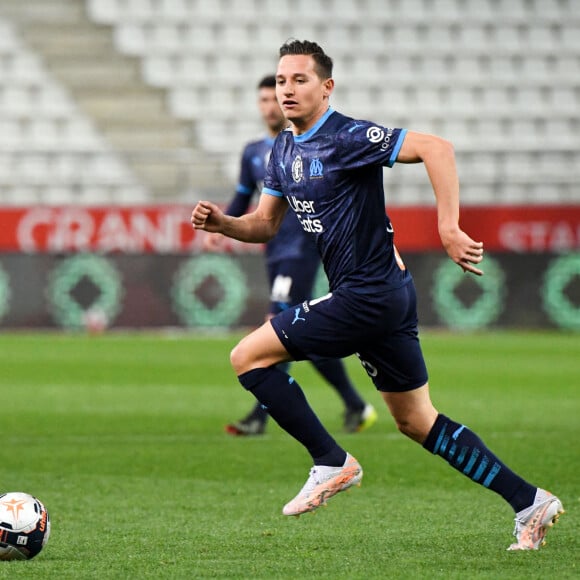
(464, 251)
(207, 216)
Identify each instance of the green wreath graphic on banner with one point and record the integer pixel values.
(4, 292)
(66, 310)
(190, 278)
(561, 310)
(486, 307)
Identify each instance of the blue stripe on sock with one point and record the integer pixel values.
(491, 475)
(471, 462)
(439, 439)
(461, 457)
(479, 472)
(451, 453)
(290, 380)
(444, 445)
(457, 432)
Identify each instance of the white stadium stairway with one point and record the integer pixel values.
(50, 151)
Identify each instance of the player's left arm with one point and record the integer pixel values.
(438, 156)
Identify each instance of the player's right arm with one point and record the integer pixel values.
(259, 226)
(240, 202)
(238, 206)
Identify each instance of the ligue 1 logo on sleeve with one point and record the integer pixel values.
(297, 169)
(375, 134)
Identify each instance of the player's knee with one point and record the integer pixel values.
(238, 358)
(408, 428)
(244, 357)
(414, 426)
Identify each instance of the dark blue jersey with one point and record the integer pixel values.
(290, 242)
(332, 177)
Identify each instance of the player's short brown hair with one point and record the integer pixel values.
(323, 63)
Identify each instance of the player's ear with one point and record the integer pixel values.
(328, 87)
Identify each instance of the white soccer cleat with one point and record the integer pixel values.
(533, 522)
(322, 483)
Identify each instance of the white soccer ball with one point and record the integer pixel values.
(24, 526)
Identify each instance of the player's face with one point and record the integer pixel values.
(302, 94)
(270, 110)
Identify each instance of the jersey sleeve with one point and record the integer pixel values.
(246, 183)
(239, 204)
(364, 143)
(272, 183)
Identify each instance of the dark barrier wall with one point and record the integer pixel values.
(207, 290)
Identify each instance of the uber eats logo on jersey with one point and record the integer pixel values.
(306, 207)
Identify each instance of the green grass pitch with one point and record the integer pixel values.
(121, 436)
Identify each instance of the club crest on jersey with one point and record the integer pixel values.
(316, 169)
(297, 169)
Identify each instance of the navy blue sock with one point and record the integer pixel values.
(287, 405)
(332, 369)
(259, 412)
(466, 452)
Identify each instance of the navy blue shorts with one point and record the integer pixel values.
(291, 281)
(381, 329)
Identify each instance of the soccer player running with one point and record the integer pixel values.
(329, 169)
(292, 261)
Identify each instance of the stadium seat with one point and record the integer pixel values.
(568, 38)
(104, 11)
(241, 12)
(514, 9)
(552, 9)
(140, 10)
(276, 11)
(23, 195)
(178, 10)
(476, 10)
(541, 38)
(131, 38)
(159, 70)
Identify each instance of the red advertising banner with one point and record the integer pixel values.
(166, 229)
(162, 229)
(521, 229)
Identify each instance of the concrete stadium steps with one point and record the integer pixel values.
(108, 86)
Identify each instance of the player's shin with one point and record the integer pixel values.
(287, 405)
(467, 453)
